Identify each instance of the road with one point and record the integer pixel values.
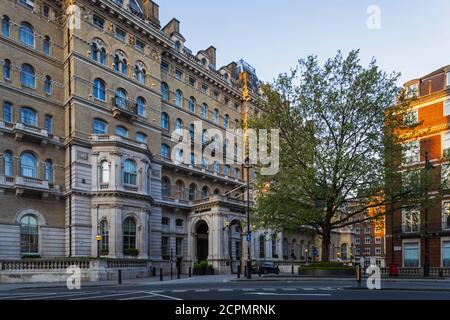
(222, 288)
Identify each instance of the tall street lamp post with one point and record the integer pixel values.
(249, 231)
(426, 265)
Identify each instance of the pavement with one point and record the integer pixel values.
(226, 287)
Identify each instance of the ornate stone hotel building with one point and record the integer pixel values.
(90, 92)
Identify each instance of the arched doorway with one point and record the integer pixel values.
(201, 232)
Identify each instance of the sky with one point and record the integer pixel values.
(413, 38)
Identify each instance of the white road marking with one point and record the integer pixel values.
(26, 295)
(289, 289)
(163, 296)
(106, 296)
(64, 295)
(178, 290)
(225, 290)
(269, 289)
(248, 289)
(139, 297)
(291, 294)
(327, 289)
(202, 290)
(309, 289)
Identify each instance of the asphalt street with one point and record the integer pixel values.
(224, 288)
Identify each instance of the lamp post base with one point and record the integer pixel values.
(249, 269)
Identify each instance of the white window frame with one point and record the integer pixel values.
(444, 239)
(443, 217)
(412, 155)
(409, 211)
(369, 240)
(377, 251)
(378, 240)
(445, 137)
(403, 250)
(357, 241)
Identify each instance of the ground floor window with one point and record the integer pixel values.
(29, 239)
(446, 254)
(104, 243)
(165, 247)
(179, 247)
(411, 254)
(129, 235)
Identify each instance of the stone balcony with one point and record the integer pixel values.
(22, 131)
(118, 140)
(26, 185)
(124, 109)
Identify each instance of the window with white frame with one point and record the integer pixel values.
(367, 240)
(447, 78)
(445, 175)
(411, 254)
(357, 230)
(411, 219)
(411, 118)
(446, 215)
(410, 179)
(367, 251)
(377, 251)
(446, 144)
(411, 152)
(378, 240)
(368, 229)
(446, 253)
(447, 108)
(412, 90)
(357, 251)
(357, 241)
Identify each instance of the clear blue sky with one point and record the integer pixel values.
(414, 38)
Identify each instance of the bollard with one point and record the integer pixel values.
(239, 271)
(178, 272)
(171, 271)
(245, 270)
(120, 277)
(154, 272)
(358, 275)
(160, 274)
(292, 269)
(190, 272)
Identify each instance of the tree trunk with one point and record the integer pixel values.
(326, 240)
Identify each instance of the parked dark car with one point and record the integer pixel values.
(268, 267)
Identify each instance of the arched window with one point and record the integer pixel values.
(179, 189)
(99, 127)
(226, 170)
(8, 163)
(165, 121)
(226, 121)
(48, 170)
(165, 187)
(165, 151)
(28, 116)
(121, 98)
(262, 246)
(192, 104)
(236, 124)
(205, 192)
(28, 165)
(216, 192)
(140, 106)
(99, 89)
(122, 132)
(6, 31)
(29, 234)
(216, 116)
(216, 167)
(7, 112)
(204, 111)
(94, 52)
(179, 98)
(192, 192)
(48, 85)
(104, 172)
(179, 126)
(344, 251)
(164, 91)
(192, 159)
(46, 45)
(204, 163)
(7, 69)
(179, 222)
(102, 56)
(139, 72)
(129, 235)
(141, 137)
(26, 34)
(27, 76)
(130, 172)
(104, 243)
(120, 63)
(98, 51)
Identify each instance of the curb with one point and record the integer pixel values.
(398, 289)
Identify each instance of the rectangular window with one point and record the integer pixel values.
(447, 108)
(378, 240)
(28, 3)
(46, 11)
(49, 123)
(377, 251)
(446, 215)
(446, 144)
(139, 45)
(216, 95)
(411, 254)
(165, 247)
(357, 251)
(445, 176)
(164, 66)
(357, 230)
(179, 247)
(412, 152)
(411, 118)
(367, 240)
(192, 81)
(120, 34)
(179, 74)
(99, 22)
(446, 253)
(357, 241)
(447, 78)
(368, 229)
(411, 218)
(412, 91)
(367, 251)
(7, 112)
(204, 89)
(165, 221)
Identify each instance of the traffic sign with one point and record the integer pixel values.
(315, 252)
(249, 237)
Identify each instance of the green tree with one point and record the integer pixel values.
(340, 146)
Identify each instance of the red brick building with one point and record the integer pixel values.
(417, 236)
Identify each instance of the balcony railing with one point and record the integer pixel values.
(118, 139)
(124, 108)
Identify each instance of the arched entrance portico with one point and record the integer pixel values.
(202, 243)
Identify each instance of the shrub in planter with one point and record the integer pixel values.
(104, 252)
(202, 268)
(31, 256)
(131, 252)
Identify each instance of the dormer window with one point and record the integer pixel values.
(178, 45)
(447, 78)
(412, 90)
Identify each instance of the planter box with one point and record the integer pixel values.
(203, 272)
